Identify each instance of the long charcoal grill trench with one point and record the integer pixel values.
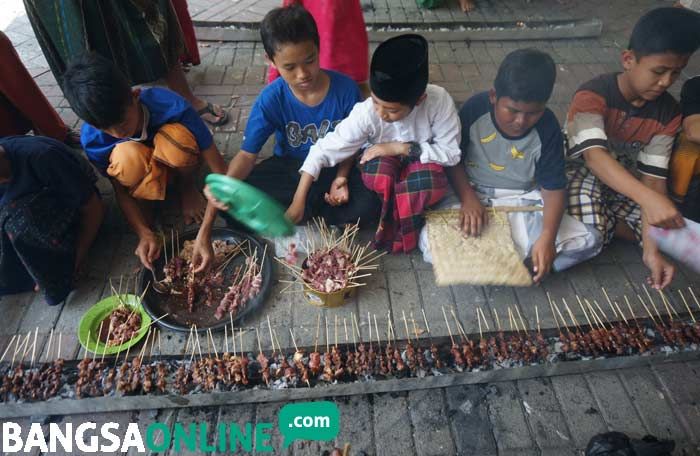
(260, 393)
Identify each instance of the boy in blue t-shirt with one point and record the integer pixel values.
(299, 108)
(143, 140)
(513, 151)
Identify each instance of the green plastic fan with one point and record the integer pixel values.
(250, 206)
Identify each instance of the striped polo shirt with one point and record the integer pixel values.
(640, 138)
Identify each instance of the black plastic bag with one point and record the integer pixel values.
(618, 444)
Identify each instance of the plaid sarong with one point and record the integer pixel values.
(597, 205)
(406, 191)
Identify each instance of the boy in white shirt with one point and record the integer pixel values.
(405, 132)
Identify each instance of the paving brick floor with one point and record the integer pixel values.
(547, 416)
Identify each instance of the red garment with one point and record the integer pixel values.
(406, 191)
(341, 29)
(23, 107)
(183, 16)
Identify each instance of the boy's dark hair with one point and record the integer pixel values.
(96, 90)
(667, 29)
(526, 75)
(289, 24)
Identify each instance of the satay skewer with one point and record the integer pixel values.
(571, 315)
(427, 328)
(561, 317)
(486, 323)
(459, 326)
(634, 317)
(48, 347)
(578, 298)
(481, 334)
(647, 309)
(687, 306)
(607, 298)
(369, 322)
(498, 320)
(153, 342)
(695, 298)
(58, 349)
(345, 326)
(144, 346)
(16, 350)
(668, 305)
(537, 317)
(596, 317)
(36, 334)
(240, 339)
(600, 309)
(104, 348)
(257, 336)
(226, 339)
(653, 305)
(622, 315)
(510, 319)
(318, 329)
(12, 340)
(272, 340)
(294, 341)
(213, 344)
(376, 330)
(448, 324)
(335, 327)
(405, 323)
(522, 322)
(551, 306)
(328, 348)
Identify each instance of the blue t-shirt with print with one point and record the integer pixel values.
(296, 125)
(164, 106)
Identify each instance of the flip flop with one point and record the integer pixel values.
(209, 109)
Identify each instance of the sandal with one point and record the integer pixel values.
(209, 109)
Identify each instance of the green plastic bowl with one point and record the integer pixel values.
(90, 324)
(253, 208)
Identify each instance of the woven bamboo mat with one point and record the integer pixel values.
(490, 259)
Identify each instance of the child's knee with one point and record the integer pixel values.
(129, 162)
(175, 146)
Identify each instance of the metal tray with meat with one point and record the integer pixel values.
(235, 286)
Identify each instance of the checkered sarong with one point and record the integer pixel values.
(597, 205)
(406, 191)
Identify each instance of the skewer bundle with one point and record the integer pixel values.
(210, 288)
(334, 265)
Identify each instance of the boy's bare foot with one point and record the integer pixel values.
(467, 5)
(193, 205)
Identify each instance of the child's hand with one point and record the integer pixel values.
(660, 211)
(202, 254)
(473, 216)
(543, 254)
(339, 193)
(661, 270)
(295, 212)
(383, 150)
(214, 202)
(148, 250)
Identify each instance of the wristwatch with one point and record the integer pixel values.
(413, 149)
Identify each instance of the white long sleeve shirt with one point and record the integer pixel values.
(433, 124)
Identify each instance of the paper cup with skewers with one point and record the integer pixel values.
(98, 316)
(331, 272)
